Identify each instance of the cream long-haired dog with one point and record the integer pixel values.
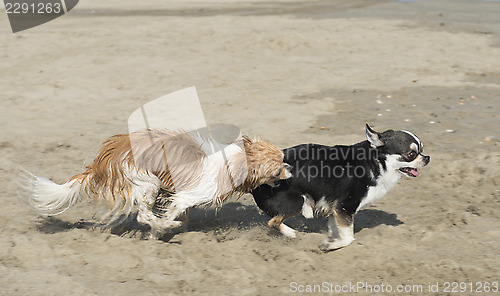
(160, 175)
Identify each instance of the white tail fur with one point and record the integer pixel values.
(47, 197)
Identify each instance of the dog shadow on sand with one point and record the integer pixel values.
(230, 216)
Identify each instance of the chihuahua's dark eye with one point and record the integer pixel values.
(412, 155)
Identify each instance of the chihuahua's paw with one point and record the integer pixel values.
(287, 231)
(328, 245)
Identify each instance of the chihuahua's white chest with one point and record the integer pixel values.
(385, 182)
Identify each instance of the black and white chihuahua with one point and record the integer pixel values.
(337, 181)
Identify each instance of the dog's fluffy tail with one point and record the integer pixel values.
(49, 198)
(115, 177)
(106, 179)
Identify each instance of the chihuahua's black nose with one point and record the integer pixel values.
(427, 159)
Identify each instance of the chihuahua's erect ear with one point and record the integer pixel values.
(373, 137)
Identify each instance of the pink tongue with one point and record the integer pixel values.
(414, 172)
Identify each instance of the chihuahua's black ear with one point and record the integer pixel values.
(373, 137)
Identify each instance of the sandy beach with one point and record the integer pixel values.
(289, 72)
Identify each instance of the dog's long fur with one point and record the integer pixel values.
(131, 170)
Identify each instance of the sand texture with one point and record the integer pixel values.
(289, 72)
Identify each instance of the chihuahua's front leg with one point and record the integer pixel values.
(340, 232)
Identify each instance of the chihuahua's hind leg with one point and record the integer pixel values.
(307, 207)
(277, 223)
(287, 231)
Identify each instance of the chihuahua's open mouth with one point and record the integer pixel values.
(410, 172)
